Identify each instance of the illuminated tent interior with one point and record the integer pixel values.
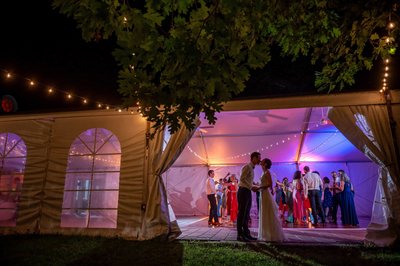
(291, 138)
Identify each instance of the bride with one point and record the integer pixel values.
(269, 226)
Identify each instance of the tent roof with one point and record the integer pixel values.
(286, 130)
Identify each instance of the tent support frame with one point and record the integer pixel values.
(304, 127)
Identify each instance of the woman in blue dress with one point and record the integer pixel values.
(348, 209)
(327, 202)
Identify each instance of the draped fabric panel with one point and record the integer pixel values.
(368, 128)
(157, 216)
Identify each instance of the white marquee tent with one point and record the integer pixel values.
(98, 173)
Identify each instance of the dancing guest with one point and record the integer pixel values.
(312, 188)
(348, 209)
(210, 190)
(233, 187)
(327, 200)
(219, 190)
(336, 196)
(298, 198)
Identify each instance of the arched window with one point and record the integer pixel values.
(12, 168)
(92, 181)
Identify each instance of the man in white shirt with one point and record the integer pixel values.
(244, 197)
(210, 190)
(313, 184)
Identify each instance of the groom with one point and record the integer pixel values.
(244, 198)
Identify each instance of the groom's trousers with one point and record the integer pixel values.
(244, 202)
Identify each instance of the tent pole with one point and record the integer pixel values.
(304, 127)
(393, 125)
(205, 148)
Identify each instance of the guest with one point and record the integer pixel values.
(306, 204)
(219, 188)
(283, 206)
(210, 190)
(228, 195)
(312, 187)
(277, 192)
(233, 187)
(288, 190)
(336, 196)
(298, 197)
(348, 209)
(223, 205)
(327, 201)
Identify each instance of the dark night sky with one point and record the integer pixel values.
(40, 43)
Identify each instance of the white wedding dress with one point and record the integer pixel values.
(269, 224)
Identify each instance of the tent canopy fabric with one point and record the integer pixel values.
(283, 135)
(291, 131)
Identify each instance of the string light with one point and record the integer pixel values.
(267, 147)
(385, 89)
(52, 90)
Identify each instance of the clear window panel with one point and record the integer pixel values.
(103, 219)
(75, 218)
(76, 199)
(18, 151)
(92, 180)
(14, 165)
(77, 181)
(102, 135)
(79, 148)
(104, 199)
(111, 146)
(88, 138)
(80, 163)
(107, 163)
(105, 181)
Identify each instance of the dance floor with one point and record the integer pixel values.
(196, 228)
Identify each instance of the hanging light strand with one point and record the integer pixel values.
(384, 90)
(69, 96)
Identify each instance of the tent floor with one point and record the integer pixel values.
(196, 228)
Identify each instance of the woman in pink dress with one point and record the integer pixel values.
(298, 198)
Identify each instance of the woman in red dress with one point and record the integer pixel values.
(233, 187)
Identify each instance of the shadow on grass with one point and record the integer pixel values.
(329, 255)
(73, 250)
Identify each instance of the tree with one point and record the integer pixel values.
(179, 58)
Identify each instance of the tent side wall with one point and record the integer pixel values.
(48, 142)
(36, 136)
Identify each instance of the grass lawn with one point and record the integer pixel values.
(72, 250)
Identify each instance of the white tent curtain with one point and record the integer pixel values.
(159, 218)
(368, 128)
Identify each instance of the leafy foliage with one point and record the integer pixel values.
(180, 58)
